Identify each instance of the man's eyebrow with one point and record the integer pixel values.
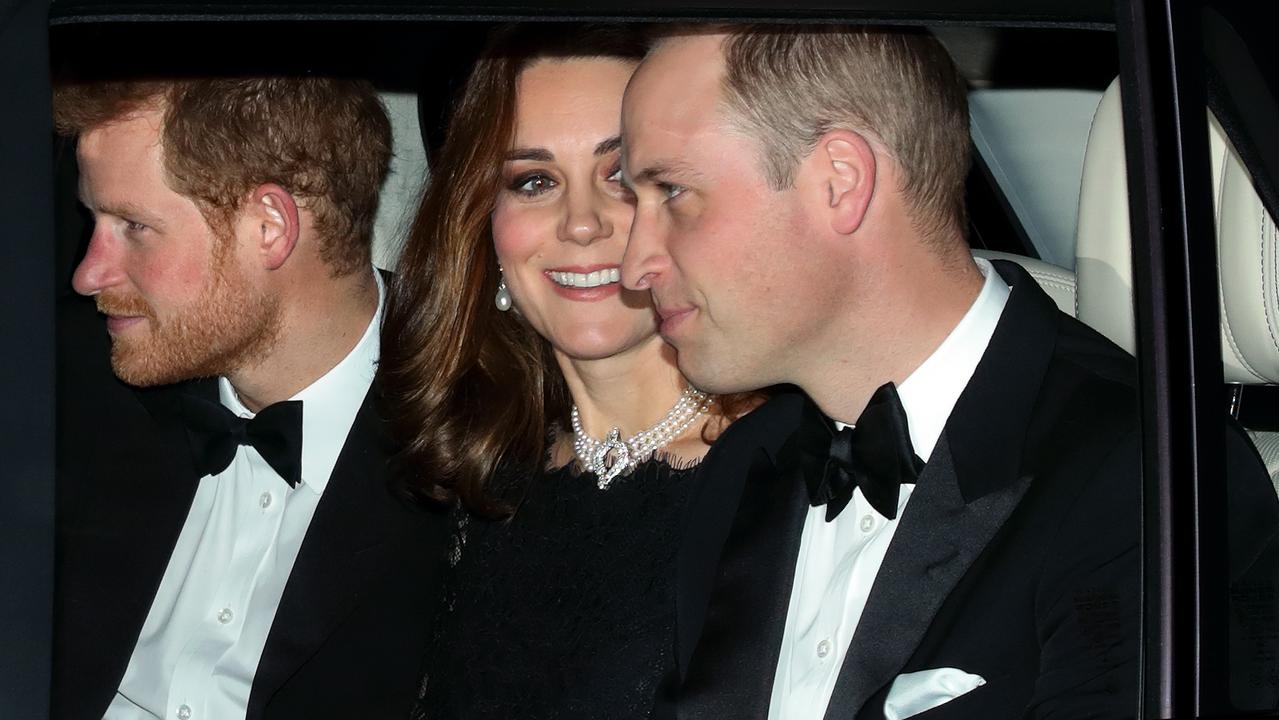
(612, 144)
(665, 170)
(535, 154)
(125, 210)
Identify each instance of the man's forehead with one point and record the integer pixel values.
(137, 130)
(706, 46)
(677, 87)
(687, 62)
(118, 157)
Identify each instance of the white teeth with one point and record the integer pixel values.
(586, 280)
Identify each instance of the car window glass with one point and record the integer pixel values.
(1030, 114)
(1240, 607)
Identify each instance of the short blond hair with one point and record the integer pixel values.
(787, 86)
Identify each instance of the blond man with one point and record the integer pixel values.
(948, 519)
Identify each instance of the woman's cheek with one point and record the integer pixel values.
(516, 232)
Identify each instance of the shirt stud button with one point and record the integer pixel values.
(264, 500)
(823, 648)
(184, 712)
(868, 523)
(225, 616)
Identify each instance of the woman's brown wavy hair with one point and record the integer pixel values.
(473, 389)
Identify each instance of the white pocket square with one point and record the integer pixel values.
(913, 693)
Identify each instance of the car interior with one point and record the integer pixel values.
(1049, 187)
(1069, 227)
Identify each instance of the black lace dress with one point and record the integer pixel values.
(566, 610)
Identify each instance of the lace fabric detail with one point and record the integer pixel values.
(566, 610)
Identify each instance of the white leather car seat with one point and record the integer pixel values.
(1247, 249)
(403, 187)
(1057, 281)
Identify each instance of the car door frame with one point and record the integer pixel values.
(1176, 308)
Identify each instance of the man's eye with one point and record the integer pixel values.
(133, 228)
(671, 190)
(532, 185)
(616, 175)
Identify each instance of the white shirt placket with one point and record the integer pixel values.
(254, 515)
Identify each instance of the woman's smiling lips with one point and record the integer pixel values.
(585, 283)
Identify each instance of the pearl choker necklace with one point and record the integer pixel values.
(613, 456)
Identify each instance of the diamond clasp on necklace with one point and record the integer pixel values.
(610, 458)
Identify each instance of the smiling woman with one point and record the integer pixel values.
(528, 383)
(509, 389)
(562, 216)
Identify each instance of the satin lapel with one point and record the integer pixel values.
(937, 541)
(157, 506)
(160, 504)
(974, 479)
(137, 484)
(345, 547)
(735, 577)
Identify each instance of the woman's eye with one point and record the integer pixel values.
(532, 185)
(616, 175)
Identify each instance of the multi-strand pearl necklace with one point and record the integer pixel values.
(613, 456)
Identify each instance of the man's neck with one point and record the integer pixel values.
(895, 333)
(320, 326)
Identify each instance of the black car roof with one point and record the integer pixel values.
(1096, 14)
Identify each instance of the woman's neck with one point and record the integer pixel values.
(631, 391)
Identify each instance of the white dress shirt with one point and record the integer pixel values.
(838, 560)
(204, 634)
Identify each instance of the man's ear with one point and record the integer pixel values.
(274, 213)
(846, 163)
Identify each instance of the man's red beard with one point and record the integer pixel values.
(228, 326)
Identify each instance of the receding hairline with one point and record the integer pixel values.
(688, 31)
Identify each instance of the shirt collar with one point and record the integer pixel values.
(329, 404)
(930, 393)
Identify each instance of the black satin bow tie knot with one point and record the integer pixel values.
(875, 455)
(217, 433)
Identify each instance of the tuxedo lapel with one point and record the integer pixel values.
(126, 485)
(161, 502)
(737, 656)
(973, 481)
(346, 545)
(937, 541)
(736, 565)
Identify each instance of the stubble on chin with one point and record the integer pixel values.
(228, 326)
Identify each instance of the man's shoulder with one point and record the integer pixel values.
(1089, 396)
(1093, 356)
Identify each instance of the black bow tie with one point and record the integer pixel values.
(875, 455)
(217, 433)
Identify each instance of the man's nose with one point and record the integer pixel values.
(100, 268)
(645, 257)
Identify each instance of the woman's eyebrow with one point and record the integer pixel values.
(610, 145)
(536, 154)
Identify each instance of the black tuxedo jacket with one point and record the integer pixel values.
(352, 625)
(1017, 557)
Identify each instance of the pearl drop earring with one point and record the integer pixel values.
(503, 297)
